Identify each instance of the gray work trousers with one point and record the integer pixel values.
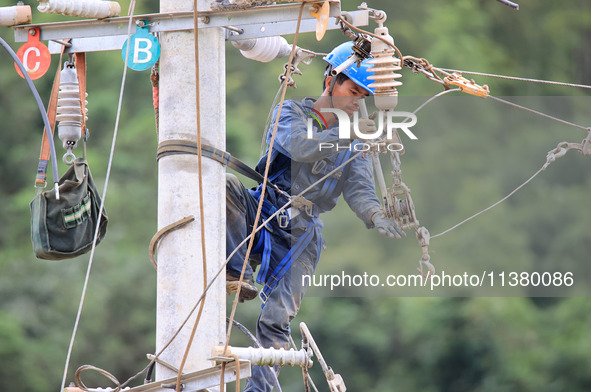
(284, 301)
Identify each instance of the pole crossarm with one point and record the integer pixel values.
(199, 380)
(110, 33)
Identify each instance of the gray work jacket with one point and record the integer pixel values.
(298, 161)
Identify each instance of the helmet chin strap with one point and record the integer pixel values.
(333, 81)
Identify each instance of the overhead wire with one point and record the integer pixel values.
(430, 68)
(538, 113)
(518, 78)
(521, 107)
(104, 195)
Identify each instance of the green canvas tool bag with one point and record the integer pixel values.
(64, 228)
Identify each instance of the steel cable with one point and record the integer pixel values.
(102, 206)
(517, 78)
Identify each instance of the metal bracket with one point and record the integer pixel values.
(110, 33)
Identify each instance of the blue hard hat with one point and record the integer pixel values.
(358, 74)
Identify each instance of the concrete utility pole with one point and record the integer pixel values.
(180, 276)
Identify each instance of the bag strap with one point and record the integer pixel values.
(81, 72)
(51, 113)
(44, 155)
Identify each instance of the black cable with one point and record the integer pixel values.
(41, 109)
(149, 372)
(245, 330)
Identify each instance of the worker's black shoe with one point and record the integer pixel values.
(247, 289)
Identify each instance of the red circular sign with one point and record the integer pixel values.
(34, 55)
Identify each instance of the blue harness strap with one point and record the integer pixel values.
(273, 280)
(331, 182)
(263, 245)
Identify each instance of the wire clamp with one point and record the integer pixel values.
(467, 86)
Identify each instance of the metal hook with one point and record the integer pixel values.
(69, 157)
(430, 267)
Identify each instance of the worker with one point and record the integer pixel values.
(289, 246)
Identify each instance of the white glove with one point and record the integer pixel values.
(365, 126)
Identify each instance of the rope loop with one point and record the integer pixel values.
(80, 384)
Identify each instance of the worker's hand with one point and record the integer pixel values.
(365, 126)
(386, 226)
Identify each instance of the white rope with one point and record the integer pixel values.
(491, 206)
(90, 261)
(517, 78)
(529, 179)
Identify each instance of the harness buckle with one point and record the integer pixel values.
(309, 209)
(283, 220)
(319, 167)
(303, 204)
(264, 297)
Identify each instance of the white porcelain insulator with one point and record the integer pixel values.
(268, 356)
(268, 48)
(69, 111)
(385, 67)
(81, 8)
(15, 15)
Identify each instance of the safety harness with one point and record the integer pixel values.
(271, 279)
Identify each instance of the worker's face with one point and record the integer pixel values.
(346, 96)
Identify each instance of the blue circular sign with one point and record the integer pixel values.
(144, 49)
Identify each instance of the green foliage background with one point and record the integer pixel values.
(468, 156)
